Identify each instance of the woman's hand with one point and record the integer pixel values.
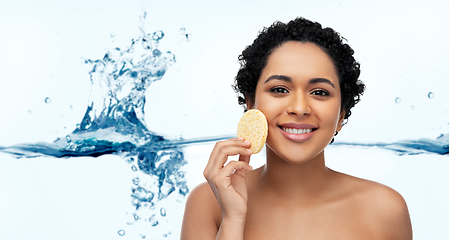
(228, 182)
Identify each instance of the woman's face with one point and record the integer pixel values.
(299, 93)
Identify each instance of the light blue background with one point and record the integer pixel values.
(401, 45)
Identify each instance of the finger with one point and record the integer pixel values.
(246, 158)
(223, 155)
(219, 146)
(223, 177)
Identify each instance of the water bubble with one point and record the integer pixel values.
(143, 236)
(155, 223)
(47, 100)
(29, 111)
(430, 95)
(158, 35)
(134, 168)
(186, 37)
(136, 181)
(412, 107)
(113, 35)
(121, 232)
(130, 160)
(182, 31)
(142, 195)
(68, 138)
(157, 53)
(163, 212)
(165, 235)
(397, 100)
(71, 106)
(169, 58)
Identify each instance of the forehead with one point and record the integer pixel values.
(303, 60)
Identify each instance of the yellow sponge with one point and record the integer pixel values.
(253, 127)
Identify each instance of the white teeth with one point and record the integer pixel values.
(297, 131)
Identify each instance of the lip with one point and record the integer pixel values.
(297, 137)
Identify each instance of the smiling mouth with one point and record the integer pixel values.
(298, 131)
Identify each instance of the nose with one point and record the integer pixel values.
(299, 105)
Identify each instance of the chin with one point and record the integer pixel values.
(294, 156)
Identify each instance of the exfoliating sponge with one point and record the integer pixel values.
(253, 127)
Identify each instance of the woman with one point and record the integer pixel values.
(305, 80)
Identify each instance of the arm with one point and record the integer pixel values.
(218, 211)
(200, 214)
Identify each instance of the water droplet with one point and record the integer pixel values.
(165, 235)
(29, 111)
(155, 223)
(158, 35)
(186, 37)
(68, 138)
(163, 212)
(412, 107)
(121, 232)
(113, 37)
(157, 53)
(397, 100)
(47, 100)
(143, 236)
(134, 168)
(182, 31)
(136, 181)
(71, 107)
(430, 95)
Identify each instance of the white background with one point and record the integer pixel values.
(401, 45)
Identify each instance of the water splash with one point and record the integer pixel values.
(114, 124)
(440, 145)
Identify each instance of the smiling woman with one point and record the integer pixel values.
(304, 79)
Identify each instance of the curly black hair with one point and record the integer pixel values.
(254, 58)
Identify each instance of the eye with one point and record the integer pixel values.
(320, 92)
(279, 90)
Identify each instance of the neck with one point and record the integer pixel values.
(304, 180)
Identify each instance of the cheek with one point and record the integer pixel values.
(331, 112)
(270, 107)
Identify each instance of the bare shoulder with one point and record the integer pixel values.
(201, 214)
(384, 207)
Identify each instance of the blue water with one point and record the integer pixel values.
(114, 123)
(440, 145)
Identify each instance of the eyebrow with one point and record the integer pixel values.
(288, 79)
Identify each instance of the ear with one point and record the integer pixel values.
(340, 120)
